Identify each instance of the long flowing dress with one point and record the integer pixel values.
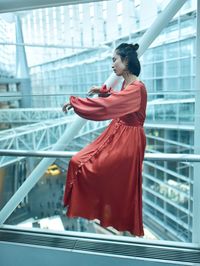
(104, 179)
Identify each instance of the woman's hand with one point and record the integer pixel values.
(94, 90)
(66, 107)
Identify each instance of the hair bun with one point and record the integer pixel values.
(136, 46)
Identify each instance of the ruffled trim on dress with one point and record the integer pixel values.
(78, 170)
(117, 124)
(100, 148)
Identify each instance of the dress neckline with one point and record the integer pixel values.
(135, 81)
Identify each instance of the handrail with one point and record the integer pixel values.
(179, 157)
(43, 154)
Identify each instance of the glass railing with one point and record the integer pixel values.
(30, 133)
(167, 198)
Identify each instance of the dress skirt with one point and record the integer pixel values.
(104, 179)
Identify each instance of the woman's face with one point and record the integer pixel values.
(118, 66)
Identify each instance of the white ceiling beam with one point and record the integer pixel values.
(20, 5)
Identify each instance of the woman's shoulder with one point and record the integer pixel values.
(137, 84)
(137, 87)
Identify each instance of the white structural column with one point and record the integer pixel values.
(22, 71)
(196, 186)
(21, 61)
(159, 24)
(68, 135)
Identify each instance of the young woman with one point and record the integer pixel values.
(104, 180)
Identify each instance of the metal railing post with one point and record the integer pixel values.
(196, 187)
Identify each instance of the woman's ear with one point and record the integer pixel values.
(126, 61)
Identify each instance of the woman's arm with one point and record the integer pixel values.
(66, 107)
(101, 91)
(117, 105)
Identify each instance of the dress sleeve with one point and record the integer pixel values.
(116, 105)
(105, 92)
(104, 89)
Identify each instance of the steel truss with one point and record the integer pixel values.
(29, 115)
(41, 136)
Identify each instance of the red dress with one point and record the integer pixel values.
(104, 179)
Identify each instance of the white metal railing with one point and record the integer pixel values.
(68, 154)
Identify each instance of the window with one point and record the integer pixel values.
(185, 66)
(158, 69)
(172, 68)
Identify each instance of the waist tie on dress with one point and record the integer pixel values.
(129, 124)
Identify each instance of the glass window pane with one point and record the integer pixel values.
(172, 68)
(158, 69)
(171, 50)
(185, 66)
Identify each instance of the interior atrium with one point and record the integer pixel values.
(50, 50)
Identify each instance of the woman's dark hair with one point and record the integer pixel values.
(129, 52)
